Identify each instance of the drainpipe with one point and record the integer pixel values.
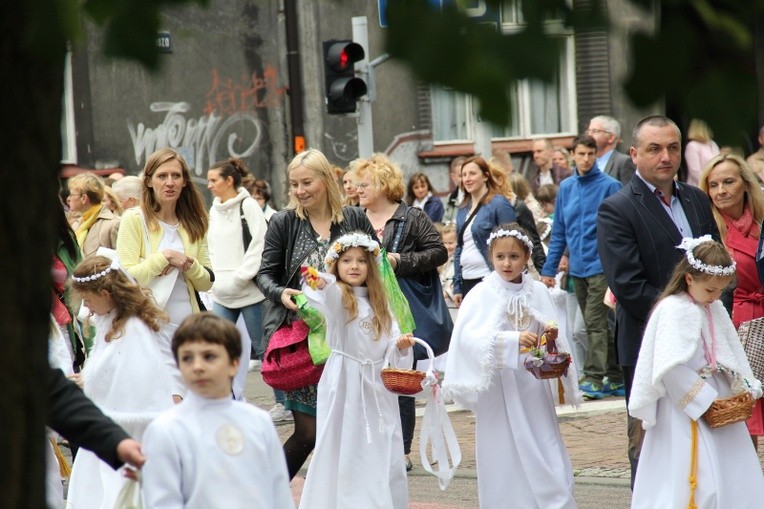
(295, 76)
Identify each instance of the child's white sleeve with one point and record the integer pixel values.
(162, 471)
(327, 300)
(689, 391)
(507, 349)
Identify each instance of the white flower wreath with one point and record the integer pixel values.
(510, 233)
(355, 239)
(689, 244)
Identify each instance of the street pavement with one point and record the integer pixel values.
(595, 435)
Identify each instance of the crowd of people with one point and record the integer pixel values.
(642, 278)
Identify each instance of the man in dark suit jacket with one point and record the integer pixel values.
(606, 131)
(638, 230)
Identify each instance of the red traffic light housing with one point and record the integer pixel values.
(342, 87)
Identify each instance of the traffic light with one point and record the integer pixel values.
(342, 87)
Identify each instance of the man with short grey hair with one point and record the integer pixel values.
(606, 131)
(128, 190)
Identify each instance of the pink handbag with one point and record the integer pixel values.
(287, 364)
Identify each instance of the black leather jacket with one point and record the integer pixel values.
(288, 242)
(421, 248)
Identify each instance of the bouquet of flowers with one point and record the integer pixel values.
(544, 363)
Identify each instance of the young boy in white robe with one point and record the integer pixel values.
(125, 374)
(690, 357)
(520, 455)
(357, 461)
(210, 450)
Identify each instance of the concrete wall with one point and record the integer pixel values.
(220, 93)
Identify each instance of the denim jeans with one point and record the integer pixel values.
(252, 316)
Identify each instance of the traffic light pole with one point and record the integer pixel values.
(364, 119)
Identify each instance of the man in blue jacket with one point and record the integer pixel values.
(575, 229)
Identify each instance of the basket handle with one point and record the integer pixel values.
(426, 346)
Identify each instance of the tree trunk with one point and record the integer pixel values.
(30, 144)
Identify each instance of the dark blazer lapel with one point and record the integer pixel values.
(608, 169)
(690, 210)
(654, 208)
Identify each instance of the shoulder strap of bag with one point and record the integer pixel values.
(399, 232)
(245, 234)
(460, 234)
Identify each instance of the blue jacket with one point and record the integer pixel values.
(575, 223)
(492, 214)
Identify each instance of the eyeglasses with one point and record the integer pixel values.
(362, 185)
(597, 131)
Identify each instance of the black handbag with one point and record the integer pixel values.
(431, 314)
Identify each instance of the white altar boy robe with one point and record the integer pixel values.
(358, 460)
(207, 453)
(521, 458)
(668, 393)
(128, 379)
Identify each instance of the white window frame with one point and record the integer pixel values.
(522, 109)
(68, 133)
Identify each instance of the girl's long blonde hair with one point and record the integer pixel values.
(381, 320)
(129, 298)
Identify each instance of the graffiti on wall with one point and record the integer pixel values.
(228, 127)
(228, 97)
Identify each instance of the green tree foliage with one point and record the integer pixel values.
(33, 41)
(699, 59)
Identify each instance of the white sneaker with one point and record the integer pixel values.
(280, 414)
(254, 365)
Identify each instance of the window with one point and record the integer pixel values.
(537, 108)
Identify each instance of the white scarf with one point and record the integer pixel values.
(420, 203)
(672, 335)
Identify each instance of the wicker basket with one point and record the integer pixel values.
(730, 410)
(554, 364)
(403, 381)
(406, 382)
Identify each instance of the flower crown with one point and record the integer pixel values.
(689, 244)
(355, 239)
(510, 233)
(98, 275)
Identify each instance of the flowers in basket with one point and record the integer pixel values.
(544, 361)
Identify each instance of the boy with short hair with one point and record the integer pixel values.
(210, 450)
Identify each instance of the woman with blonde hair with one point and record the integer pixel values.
(522, 188)
(97, 226)
(699, 150)
(167, 236)
(738, 208)
(297, 236)
(413, 245)
(112, 201)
